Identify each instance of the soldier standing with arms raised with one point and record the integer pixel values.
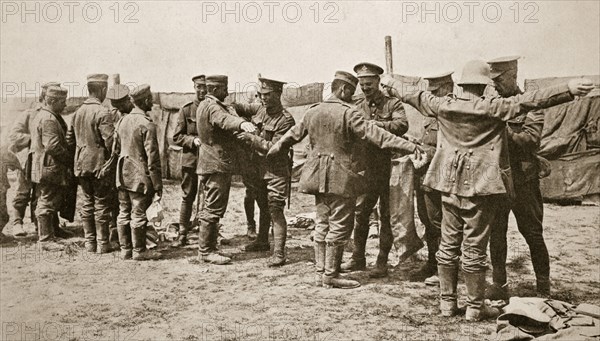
(472, 143)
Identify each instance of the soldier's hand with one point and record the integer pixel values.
(274, 150)
(157, 196)
(419, 158)
(244, 137)
(580, 86)
(197, 142)
(248, 127)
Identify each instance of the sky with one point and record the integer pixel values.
(165, 43)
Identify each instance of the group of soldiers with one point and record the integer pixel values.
(476, 152)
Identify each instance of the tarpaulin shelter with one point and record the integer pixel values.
(571, 141)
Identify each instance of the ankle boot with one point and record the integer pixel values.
(331, 277)
(46, 240)
(319, 262)
(279, 238)
(448, 296)
(477, 309)
(261, 243)
(380, 270)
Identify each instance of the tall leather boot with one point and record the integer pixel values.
(279, 238)
(59, 232)
(477, 310)
(331, 277)
(320, 249)
(448, 295)
(89, 233)
(125, 241)
(261, 243)
(185, 212)
(430, 267)
(46, 239)
(358, 261)
(249, 211)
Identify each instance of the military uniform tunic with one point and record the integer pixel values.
(217, 160)
(185, 134)
(92, 131)
(51, 164)
(387, 113)
(138, 176)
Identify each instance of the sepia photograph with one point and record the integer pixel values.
(300, 170)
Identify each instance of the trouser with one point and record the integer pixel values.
(466, 226)
(95, 209)
(49, 199)
(528, 209)
(132, 221)
(23, 197)
(429, 209)
(334, 218)
(4, 218)
(379, 189)
(277, 191)
(256, 191)
(216, 196)
(402, 207)
(189, 187)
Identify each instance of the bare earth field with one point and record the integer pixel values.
(79, 296)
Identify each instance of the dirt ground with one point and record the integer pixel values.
(80, 296)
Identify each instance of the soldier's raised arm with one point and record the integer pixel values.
(366, 130)
(507, 108)
(425, 102)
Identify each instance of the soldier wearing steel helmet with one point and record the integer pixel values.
(471, 169)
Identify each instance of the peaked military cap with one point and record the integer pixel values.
(201, 79)
(216, 80)
(500, 65)
(346, 77)
(117, 92)
(56, 92)
(367, 70)
(270, 85)
(436, 82)
(97, 77)
(140, 91)
(49, 84)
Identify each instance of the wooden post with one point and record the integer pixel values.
(388, 55)
(116, 79)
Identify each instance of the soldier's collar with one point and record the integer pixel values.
(377, 98)
(92, 100)
(138, 111)
(274, 110)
